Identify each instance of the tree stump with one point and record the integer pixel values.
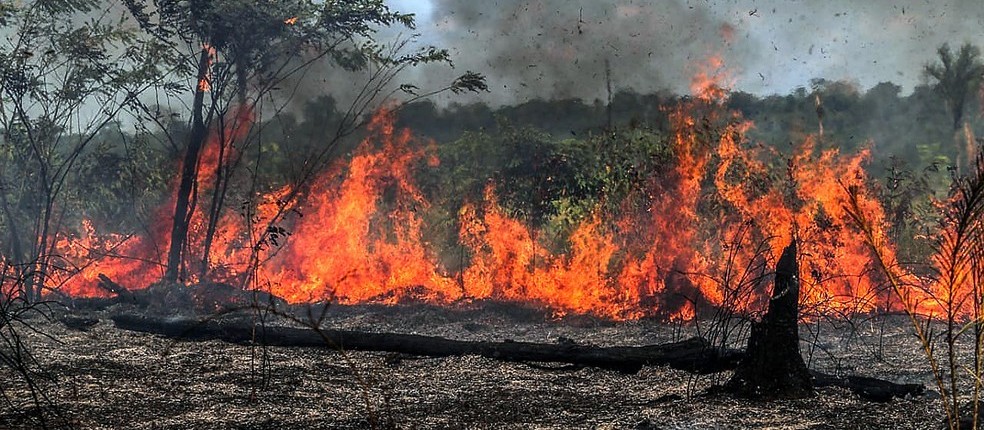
(773, 367)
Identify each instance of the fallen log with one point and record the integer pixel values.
(694, 355)
(112, 287)
(204, 298)
(117, 294)
(91, 303)
(876, 390)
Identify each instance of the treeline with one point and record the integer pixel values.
(914, 127)
(560, 158)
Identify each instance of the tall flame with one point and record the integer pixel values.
(136, 260)
(361, 237)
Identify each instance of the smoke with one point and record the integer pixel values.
(556, 48)
(862, 42)
(559, 49)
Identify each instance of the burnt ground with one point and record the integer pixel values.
(106, 378)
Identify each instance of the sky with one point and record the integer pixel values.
(558, 48)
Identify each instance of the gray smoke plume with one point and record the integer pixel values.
(558, 48)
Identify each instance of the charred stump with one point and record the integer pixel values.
(773, 366)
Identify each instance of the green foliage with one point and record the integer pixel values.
(626, 162)
(910, 201)
(120, 180)
(63, 79)
(527, 167)
(552, 183)
(268, 41)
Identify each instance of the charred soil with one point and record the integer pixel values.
(107, 378)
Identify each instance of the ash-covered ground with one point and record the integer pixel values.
(107, 378)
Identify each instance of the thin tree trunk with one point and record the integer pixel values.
(214, 210)
(17, 256)
(44, 246)
(189, 172)
(218, 202)
(222, 173)
(16, 249)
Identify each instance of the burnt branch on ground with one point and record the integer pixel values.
(694, 355)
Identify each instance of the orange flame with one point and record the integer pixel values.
(205, 83)
(706, 83)
(345, 249)
(136, 261)
(361, 237)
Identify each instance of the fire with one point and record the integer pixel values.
(509, 264)
(291, 21)
(706, 84)
(136, 260)
(205, 83)
(347, 249)
(121, 258)
(709, 224)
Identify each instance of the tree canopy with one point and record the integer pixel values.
(957, 76)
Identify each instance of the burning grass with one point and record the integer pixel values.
(355, 235)
(694, 236)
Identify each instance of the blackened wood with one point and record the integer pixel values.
(773, 366)
(109, 285)
(91, 303)
(872, 389)
(184, 203)
(694, 355)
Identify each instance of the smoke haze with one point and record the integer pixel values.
(557, 48)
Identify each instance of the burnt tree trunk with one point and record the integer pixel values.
(773, 366)
(189, 173)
